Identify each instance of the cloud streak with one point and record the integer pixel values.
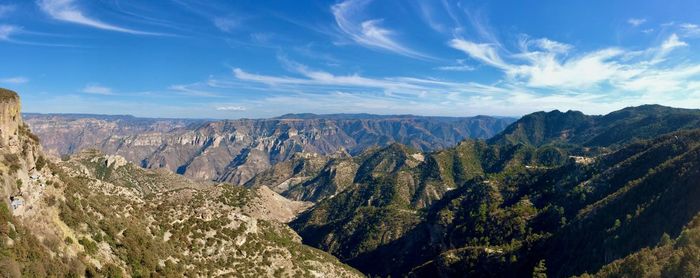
(231, 108)
(96, 89)
(15, 80)
(636, 21)
(68, 11)
(369, 33)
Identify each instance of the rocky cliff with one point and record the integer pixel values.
(10, 117)
(20, 153)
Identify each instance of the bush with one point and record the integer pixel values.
(13, 162)
(89, 245)
(40, 163)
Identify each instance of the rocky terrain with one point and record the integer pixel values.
(235, 150)
(555, 194)
(100, 215)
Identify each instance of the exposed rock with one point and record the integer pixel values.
(10, 117)
(235, 150)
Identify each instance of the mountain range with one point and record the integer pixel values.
(235, 150)
(552, 194)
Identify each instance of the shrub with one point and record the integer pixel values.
(40, 163)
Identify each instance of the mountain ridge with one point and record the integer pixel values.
(235, 150)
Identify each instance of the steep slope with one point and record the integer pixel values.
(669, 258)
(183, 227)
(499, 208)
(99, 215)
(308, 177)
(235, 150)
(613, 129)
(377, 208)
(21, 251)
(390, 190)
(576, 217)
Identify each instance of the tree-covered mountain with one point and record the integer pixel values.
(524, 198)
(613, 129)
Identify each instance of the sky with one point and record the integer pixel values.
(255, 59)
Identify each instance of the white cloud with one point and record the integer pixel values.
(231, 108)
(483, 52)
(368, 33)
(636, 21)
(551, 46)
(552, 66)
(67, 10)
(7, 30)
(14, 80)
(97, 90)
(672, 42)
(549, 70)
(690, 30)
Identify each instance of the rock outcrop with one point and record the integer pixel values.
(10, 117)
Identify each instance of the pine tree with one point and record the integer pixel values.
(665, 240)
(540, 270)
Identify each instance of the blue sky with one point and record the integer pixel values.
(233, 59)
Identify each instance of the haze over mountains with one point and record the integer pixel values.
(554, 193)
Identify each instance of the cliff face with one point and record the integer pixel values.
(19, 151)
(10, 117)
(235, 150)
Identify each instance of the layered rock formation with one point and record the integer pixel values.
(235, 150)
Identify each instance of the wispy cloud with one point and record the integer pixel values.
(427, 13)
(323, 81)
(68, 11)
(548, 45)
(690, 30)
(8, 30)
(226, 24)
(456, 68)
(484, 52)
(550, 65)
(236, 108)
(97, 89)
(636, 21)
(192, 90)
(14, 80)
(672, 42)
(368, 32)
(6, 9)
